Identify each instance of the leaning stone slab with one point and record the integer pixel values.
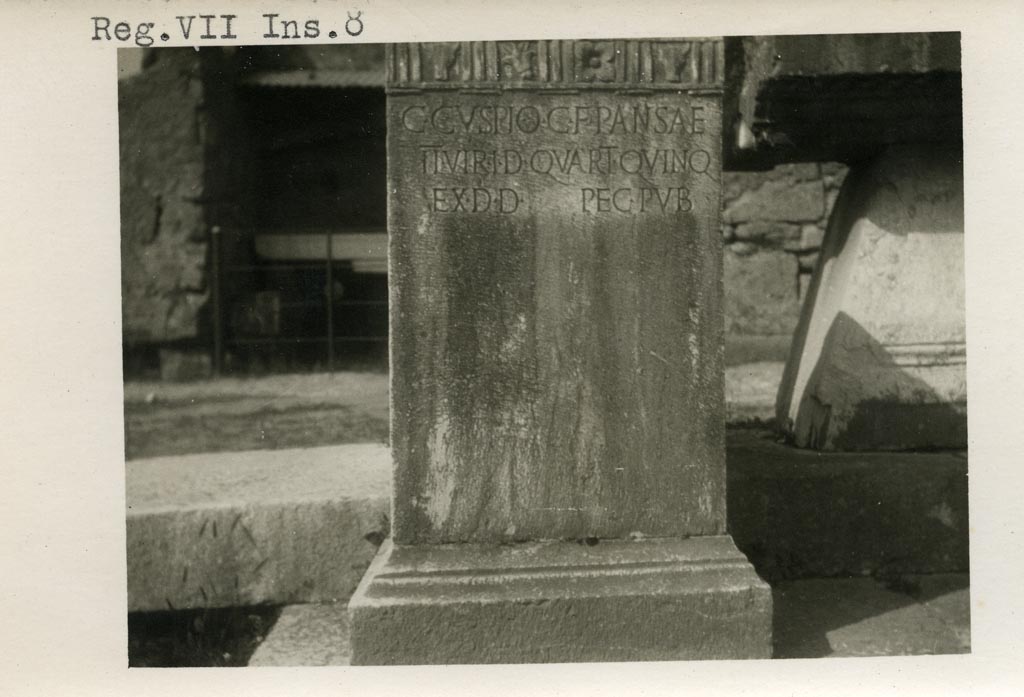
(879, 356)
(269, 526)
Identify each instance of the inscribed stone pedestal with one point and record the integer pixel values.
(556, 344)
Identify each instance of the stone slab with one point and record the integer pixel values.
(662, 599)
(778, 200)
(316, 634)
(879, 355)
(555, 315)
(799, 513)
(807, 98)
(815, 618)
(246, 528)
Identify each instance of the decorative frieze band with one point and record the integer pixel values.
(654, 64)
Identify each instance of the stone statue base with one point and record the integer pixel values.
(563, 601)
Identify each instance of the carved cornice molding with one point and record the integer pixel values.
(605, 64)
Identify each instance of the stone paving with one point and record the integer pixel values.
(866, 617)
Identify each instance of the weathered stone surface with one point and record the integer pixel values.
(182, 172)
(878, 359)
(805, 288)
(766, 231)
(919, 615)
(813, 618)
(256, 527)
(734, 183)
(555, 317)
(761, 293)
(833, 174)
(778, 200)
(799, 514)
(749, 310)
(807, 264)
(743, 249)
(667, 599)
(314, 634)
(811, 236)
(161, 189)
(557, 361)
(837, 97)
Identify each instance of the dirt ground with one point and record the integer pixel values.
(231, 414)
(306, 410)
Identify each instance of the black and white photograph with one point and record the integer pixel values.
(634, 349)
(672, 333)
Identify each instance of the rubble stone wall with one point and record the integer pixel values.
(181, 176)
(772, 225)
(163, 231)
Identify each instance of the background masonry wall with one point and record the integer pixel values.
(184, 170)
(163, 232)
(772, 225)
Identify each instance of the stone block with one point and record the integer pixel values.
(274, 526)
(735, 183)
(560, 602)
(743, 249)
(768, 232)
(811, 236)
(807, 263)
(833, 174)
(809, 98)
(779, 200)
(761, 293)
(879, 357)
(798, 513)
(800, 171)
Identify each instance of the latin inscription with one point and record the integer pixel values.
(629, 158)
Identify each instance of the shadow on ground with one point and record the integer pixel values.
(222, 637)
(909, 615)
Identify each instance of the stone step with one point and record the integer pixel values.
(301, 525)
(248, 528)
(812, 618)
